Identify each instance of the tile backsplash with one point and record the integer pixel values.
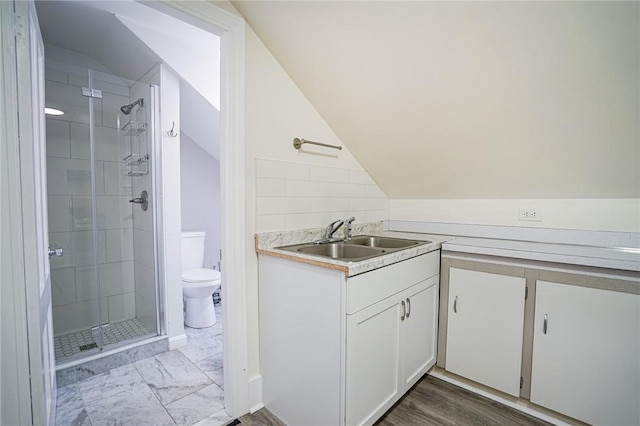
(293, 196)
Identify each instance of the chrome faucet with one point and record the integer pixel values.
(332, 228)
(349, 228)
(329, 231)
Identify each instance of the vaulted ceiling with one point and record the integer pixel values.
(95, 29)
(471, 99)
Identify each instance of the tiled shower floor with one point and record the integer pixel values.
(68, 345)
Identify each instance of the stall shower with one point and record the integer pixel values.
(100, 159)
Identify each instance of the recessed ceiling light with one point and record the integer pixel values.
(53, 111)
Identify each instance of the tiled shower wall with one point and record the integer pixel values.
(70, 219)
(296, 196)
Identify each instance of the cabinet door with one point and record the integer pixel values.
(485, 328)
(373, 361)
(586, 360)
(419, 331)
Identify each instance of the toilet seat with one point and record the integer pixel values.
(200, 275)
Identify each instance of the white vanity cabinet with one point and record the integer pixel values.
(586, 353)
(338, 350)
(390, 345)
(485, 328)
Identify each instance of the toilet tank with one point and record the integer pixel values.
(192, 249)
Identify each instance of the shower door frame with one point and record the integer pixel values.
(152, 148)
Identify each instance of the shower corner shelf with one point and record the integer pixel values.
(134, 128)
(137, 163)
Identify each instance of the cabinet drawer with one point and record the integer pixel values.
(368, 288)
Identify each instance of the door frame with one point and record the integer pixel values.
(15, 406)
(29, 364)
(231, 30)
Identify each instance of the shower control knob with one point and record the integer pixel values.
(57, 252)
(143, 200)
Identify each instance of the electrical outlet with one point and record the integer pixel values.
(529, 214)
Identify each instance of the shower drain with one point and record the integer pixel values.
(88, 346)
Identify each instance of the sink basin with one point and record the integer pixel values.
(340, 251)
(384, 242)
(360, 247)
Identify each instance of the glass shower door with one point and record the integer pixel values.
(100, 158)
(137, 131)
(73, 182)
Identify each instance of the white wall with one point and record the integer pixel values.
(200, 196)
(622, 215)
(276, 113)
(169, 198)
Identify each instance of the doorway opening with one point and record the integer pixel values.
(231, 174)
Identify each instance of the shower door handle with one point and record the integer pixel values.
(57, 252)
(143, 200)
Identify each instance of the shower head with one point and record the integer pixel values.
(126, 109)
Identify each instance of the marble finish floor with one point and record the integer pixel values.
(179, 387)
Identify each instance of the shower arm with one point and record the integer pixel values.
(126, 109)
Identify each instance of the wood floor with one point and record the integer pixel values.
(435, 402)
(431, 402)
(261, 418)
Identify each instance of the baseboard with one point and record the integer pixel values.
(178, 341)
(255, 394)
(256, 408)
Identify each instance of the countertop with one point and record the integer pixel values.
(627, 259)
(620, 258)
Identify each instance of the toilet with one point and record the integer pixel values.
(198, 283)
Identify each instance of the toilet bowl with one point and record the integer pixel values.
(198, 286)
(198, 283)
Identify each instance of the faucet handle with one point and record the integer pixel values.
(349, 227)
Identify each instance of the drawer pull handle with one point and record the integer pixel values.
(408, 308)
(404, 311)
(545, 323)
(455, 305)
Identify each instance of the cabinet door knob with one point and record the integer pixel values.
(455, 305)
(408, 308)
(544, 324)
(404, 311)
